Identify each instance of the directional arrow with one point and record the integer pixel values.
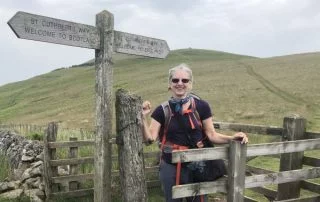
(140, 45)
(51, 30)
(40, 28)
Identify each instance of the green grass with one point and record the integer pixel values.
(5, 170)
(239, 88)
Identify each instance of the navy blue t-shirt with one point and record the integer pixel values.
(179, 129)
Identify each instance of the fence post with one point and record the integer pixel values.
(130, 148)
(104, 108)
(73, 153)
(49, 154)
(236, 171)
(294, 128)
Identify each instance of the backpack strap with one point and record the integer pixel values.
(167, 115)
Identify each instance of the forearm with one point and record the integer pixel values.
(219, 138)
(146, 130)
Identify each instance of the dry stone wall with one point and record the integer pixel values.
(26, 161)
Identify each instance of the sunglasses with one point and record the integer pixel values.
(177, 80)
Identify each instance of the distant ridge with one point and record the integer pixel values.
(239, 88)
(182, 52)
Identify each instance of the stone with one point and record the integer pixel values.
(12, 194)
(4, 187)
(35, 195)
(27, 158)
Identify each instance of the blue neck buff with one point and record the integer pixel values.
(177, 103)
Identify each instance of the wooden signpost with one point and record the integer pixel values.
(104, 40)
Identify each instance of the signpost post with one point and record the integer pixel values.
(104, 40)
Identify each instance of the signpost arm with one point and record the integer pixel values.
(104, 87)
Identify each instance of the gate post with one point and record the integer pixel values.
(236, 171)
(294, 128)
(130, 148)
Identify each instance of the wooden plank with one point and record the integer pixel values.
(311, 186)
(281, 177)
(153, 169)
(304, 199)
(51, 30)
(153, 183)
(248, 199)
(74, 168)
(72, 194)
(252, 150)
(254, 170)
(68, 178)
(248, 128)
(236, 171)
(269, 193)
(79, 143)
(200, 154)
(282, 147)
(312, 135)
(187, 190)
(310, 161)
(140, 45)
(63, 162)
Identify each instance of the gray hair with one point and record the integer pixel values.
(183, 67)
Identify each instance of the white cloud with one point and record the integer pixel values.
(252, 27)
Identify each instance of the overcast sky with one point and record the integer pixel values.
(261, 28)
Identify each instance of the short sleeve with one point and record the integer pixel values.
(158, 115)
(203, 109)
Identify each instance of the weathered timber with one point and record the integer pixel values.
(310, 161)
(104, 87)
(79, 143)
(294, 128)
(311, 186)
(187, 190)
(282, 147)
(250, 182)
(74, 168)
(131, 161)
(140, 45)
(70, 178)
(254, 170)
(200, 154)
(154, 169)
(72, 194)
(51, 30)
(248, 199)
(265, 191)
(281, 177)
(305, 199)
(63, 162)
(48, 154)
(252, 150)
(248, 128)
(236, 171)
(312, 135)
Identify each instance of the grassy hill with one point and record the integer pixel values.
(239, 88)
